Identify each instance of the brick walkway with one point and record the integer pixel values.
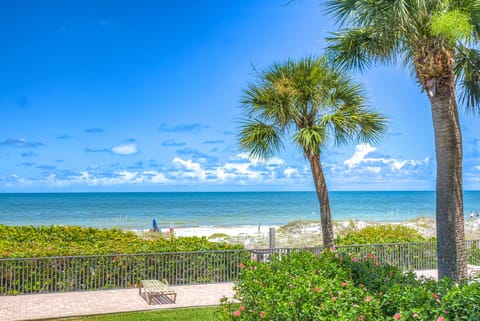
(69, 304)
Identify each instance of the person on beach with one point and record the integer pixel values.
(154, 226)
(471, 215)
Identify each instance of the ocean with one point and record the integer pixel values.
(137, 210)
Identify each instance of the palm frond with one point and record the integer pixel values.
(360, 48)
(262, 100)
(371, 125)
(349, 50)
(355, 123)
(362, 13)
(311, 139)
(467, 70)
(472, 9)
(341, 10)
(259, 139)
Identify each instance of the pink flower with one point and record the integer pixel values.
(354, 259)
(344, 283)
(236, 313)
(241, 308)
(334, 299)
(435, 295)
(368, 298)
(262, 314)
(241, 265)
(415, 315)
(360, 318)
(397, 316)
(315, 289)
(441, 318)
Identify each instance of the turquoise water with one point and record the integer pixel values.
(136, 210)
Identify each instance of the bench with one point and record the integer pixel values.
(156, 288)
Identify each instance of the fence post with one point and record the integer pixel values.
(271, 237)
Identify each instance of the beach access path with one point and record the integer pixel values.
(74, 304)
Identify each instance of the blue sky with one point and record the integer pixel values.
(144, 96)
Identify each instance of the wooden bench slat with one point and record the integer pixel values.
(156, 288)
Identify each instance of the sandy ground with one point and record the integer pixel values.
(304, 233)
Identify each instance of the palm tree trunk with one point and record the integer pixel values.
(449, 190)
(322, 195)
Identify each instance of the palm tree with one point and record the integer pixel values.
(434, 40)
(314, 103)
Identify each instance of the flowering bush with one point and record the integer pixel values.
(333, 286)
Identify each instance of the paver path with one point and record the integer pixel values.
(68, 304)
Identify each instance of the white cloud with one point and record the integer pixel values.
(125, 149)
(191, 169)
(123, 177)
(275, 161)
(360, 152)
(361, 168)
(156, 177)
(289, 172)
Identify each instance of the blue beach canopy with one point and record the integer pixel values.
(155, 224)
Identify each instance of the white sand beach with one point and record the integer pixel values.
(304, 233)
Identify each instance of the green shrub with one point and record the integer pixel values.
(377, 234)
(30, 241)
(333, 286)
(463, 302)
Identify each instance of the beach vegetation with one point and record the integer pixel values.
(295, 225)
(219, 236)
(43, 241)
(437, 41)
(316, 106)
(376, 234)
(334, 286)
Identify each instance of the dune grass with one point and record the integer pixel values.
(190, 314)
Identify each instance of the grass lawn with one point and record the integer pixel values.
(192, 314)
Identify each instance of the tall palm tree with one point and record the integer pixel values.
(313, 103)
(434, 39)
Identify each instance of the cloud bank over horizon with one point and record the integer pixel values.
(238, 172)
